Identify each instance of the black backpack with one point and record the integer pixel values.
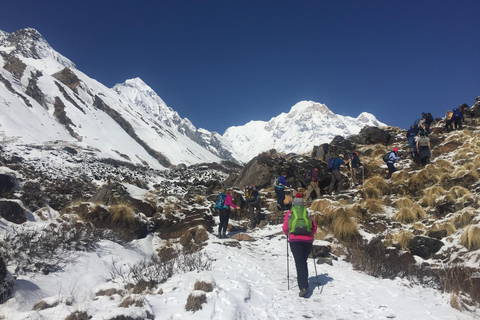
(249, 194)
(331, 161)
(386, 157)
(429, 118)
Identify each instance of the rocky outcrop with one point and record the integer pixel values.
(424, 247)
(13, 212)
(265, 168)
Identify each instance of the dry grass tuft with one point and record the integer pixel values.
(400, 177)
(199, 199)
(403, 203)
(471, 237)
(443, 164)
(463, 219)
(132, 301)
(427, 177)
(122, 214)
(373, 205)
(379, 183)
(448, 226)
(195, 301)
(203, 286)
(455, 193)
(403, 238)
(345, 227)
(320, 205)
(431, 194)
(405, 215)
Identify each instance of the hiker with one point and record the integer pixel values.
(355, 165)
(448, 121)
(457, 117)
(280, 190)
(300, 244)
(428, 121)
(423, 149)
(411, 133)
(336, 175)
(392, 158)
(252, 197)
(313, 184)
(225, 214)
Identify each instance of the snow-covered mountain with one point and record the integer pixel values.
(307, 124)
(45, 99)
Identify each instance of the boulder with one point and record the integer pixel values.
(7, 184)
(476, 108)
(373, 135)
(424, 247)
(13, 212)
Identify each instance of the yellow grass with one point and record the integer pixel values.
(345, 227)
(471, 237)
(443, 164)
(463, 219)
(406, 215)
(403, 238)
(320, 205)
(378, 182)
(431, 194)
(373, 205)
(448, 226)
(122, 213)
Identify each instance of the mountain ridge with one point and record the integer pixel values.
(44, 90)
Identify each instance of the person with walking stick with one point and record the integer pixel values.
(300, 228)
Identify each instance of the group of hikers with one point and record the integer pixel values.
(298, 224)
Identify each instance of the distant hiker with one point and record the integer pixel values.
(252, 197)
(448, 121)
(428, 121)
(336, 175)
(423, 149)
(225, 214)
(411, 133)
(457, 117)
(313, 183)
(280, 190)
(355, 165)
(300, 228)
(392, 158)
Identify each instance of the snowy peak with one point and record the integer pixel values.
(29, 43)
(307, 124)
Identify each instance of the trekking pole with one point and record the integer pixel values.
(315, 264)
(288, 269)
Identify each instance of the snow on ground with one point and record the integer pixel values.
(249, 281)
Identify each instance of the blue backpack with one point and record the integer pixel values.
(220, 204)
(456, 114)
(308, 176)
(330, 164)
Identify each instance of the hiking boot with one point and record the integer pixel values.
(303, 293)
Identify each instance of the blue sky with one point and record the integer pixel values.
(222, 63)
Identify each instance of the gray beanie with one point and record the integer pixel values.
(297, 201)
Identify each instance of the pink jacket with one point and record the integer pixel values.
(298, 237)
(228, 201)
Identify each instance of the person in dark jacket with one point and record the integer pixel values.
(356, 166)
(423, 149)
(280, 190)
(336, 175)
(457, 117)
(313, 185)
(254, 208)
(391, 162)
(411, 133)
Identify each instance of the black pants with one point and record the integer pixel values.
(301, 251)
(254, 210)
(391, 169)
(280, 197)
(458, 124)
(224, 217)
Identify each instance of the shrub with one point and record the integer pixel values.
(379, 183)
(320, 205)
(195, 301)
(373, 205)
(78, 315)
(203, 286)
